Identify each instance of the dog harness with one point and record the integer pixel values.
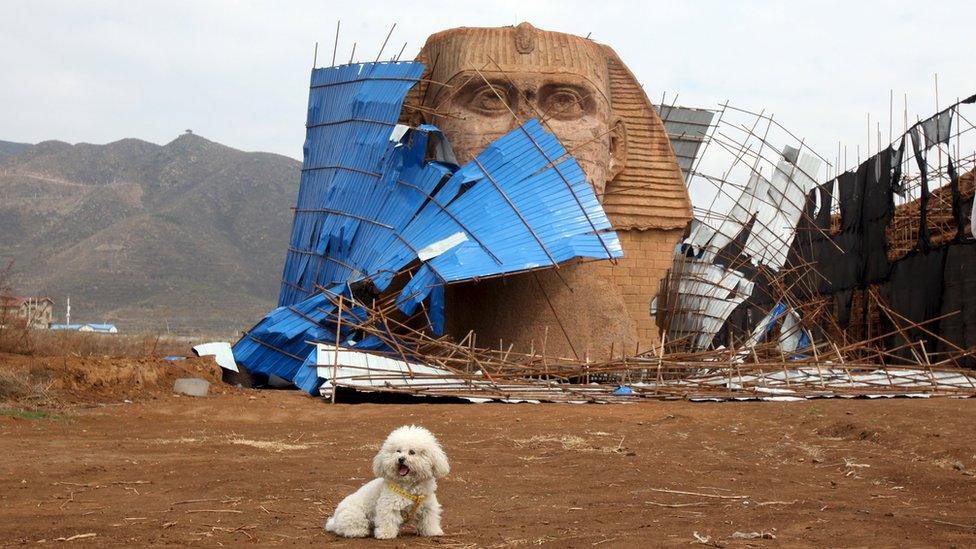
(417, 499)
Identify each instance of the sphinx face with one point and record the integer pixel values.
(475, 109)
(565, 81)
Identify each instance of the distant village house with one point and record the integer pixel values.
(35, 312)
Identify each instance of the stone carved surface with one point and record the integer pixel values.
(480, 83)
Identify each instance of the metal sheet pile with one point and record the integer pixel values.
(378, 212)
(703, 288)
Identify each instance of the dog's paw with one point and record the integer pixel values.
(385, 533)
(431, 532)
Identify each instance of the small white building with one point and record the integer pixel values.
(91, 328)
(99, 328)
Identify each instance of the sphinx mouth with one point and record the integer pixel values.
(403, 471)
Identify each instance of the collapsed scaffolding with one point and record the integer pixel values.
(783, 259)
(422, 365)
(386, 218)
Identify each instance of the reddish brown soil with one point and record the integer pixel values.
(56, 380)
(266, 468)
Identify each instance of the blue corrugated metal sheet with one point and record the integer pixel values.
(523, 208)
(352, 109)
(279, 343)
(307, 378)
(371, 204)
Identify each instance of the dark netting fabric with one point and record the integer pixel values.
(877, 210)
(958, 310)
(914, 291)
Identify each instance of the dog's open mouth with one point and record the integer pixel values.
(404, 470)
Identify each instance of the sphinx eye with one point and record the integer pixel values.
(488, 100)
(564, 103)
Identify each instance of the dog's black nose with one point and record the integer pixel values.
(402, 459)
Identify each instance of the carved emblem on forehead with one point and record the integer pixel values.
(525, 38)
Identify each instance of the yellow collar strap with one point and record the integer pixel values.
(417, 499)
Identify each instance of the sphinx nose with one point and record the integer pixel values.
(526, 110)
(401, 460)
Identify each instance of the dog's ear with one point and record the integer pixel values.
(378, 464)
(438, 460)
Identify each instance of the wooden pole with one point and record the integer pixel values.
(335, 45)
(335, 358)
(383, 47)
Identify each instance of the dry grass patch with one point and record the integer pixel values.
(272, 445)
(568, 442)
(49, 343)
(26, 386)
(238, 440)
(572, 443)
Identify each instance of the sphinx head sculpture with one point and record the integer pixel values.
(482, 82)
(492, 78)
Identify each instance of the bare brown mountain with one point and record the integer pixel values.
(189, 236)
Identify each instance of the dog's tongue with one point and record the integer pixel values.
(404, 470)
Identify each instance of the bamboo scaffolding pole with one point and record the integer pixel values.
(699, 375)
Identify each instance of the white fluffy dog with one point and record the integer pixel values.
(403, 493)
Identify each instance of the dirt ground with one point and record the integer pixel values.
(267, 467)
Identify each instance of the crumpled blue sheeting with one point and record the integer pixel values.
(525, 204)
(515, 208)
(774, 315)
(307, 377)
(436, 313)
(352, 109)
(369, 206)
(280, 343)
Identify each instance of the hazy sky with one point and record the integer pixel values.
(237, 72)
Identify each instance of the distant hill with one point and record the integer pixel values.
(9, 148)
(190, 235)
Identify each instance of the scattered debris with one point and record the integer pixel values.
(676, 505)
(78, 536)
(752, 535)
(765, 503)
(222, 353)
(699, 494)
(273, 445)
(191, 386)
(705, 540)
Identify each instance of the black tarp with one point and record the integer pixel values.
(924, 285)
(821, 242)
(914, 291)
(957, 208)
(842, 307)
(876, 212)
(842, 264)
(958, 309)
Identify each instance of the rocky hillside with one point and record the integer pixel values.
(189, 236)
